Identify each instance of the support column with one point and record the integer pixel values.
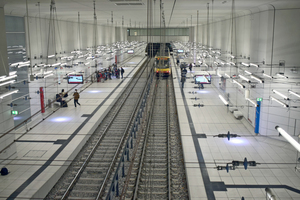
(4, 69)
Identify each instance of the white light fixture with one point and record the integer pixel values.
(227, 75)
(49, 72)
(232, 63)
(8, 82)
(280, 75)
(256, 78)
(48, 75)
(224, 101)
(56, 64)
(283, 104)
(8, 78)
(251, 101)
(248, 72)
(12, 73)
(243, 77)
(294, 93)
(239, 84)
(63, 64)
(266, 75)
(288, 137)
(87, 63)
(23, 65)
(282, 95)
(255, 65)
(51, 56)
(245, 64)
(231, 56)
(8, 93)
(219, 75)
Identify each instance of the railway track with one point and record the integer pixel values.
(89, 173)
(156, 170)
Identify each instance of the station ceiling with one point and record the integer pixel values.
(178, 13)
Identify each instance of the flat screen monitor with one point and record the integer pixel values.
(180, 50)
(131, 51)
(203, 79)
(75, 79)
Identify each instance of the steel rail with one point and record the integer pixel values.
(145, 142)
(101, 190)
(168, 139)
(72, 184)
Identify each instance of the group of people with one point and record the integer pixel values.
(61, 98)
(109, 72)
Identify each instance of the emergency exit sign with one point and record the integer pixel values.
(14, 112)
(258, 99)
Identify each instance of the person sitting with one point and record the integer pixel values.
(64, 94)
(59, 98)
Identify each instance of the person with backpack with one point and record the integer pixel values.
(122, 71)
(76, 97)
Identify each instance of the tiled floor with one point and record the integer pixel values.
(44, 152)
(276, 158)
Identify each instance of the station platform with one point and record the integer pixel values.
(202, 116)
(43, 153)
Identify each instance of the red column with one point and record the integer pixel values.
(116, 59)
(42, 99)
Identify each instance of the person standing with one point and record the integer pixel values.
(122, 71)
(76, 97)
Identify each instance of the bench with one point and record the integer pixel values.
(238, 114)
(232, 109)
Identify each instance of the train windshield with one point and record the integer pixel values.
(162, 62)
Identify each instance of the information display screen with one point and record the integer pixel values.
(131, 51)
(203, 79)
(75, 79)
(180, 51)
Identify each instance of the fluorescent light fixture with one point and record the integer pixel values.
(23, 65)
(282, 95)
(251, 101)
(12, 73)
(222, 63)
(48, 75)
(219, 75)
(266, 75)
(227, 75)
(256, 78)
(56, 64)
(216, 63)
(8, 93)
(51, 56)
(8, 82)
(231, 56)
(255, 65)
(81, 56)
(87, 63)
(224, 101)
(288, 137)
(280, 75)
(243, 77)
(7, 78)
(242, 86)
(283, 104)
(232, 63)
(49, 72)
(245, 64)
(63, 64)
(248, 72)
(294, 93)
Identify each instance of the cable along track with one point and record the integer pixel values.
(90, 171)
(157, 170)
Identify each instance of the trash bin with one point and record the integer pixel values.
(50, 105)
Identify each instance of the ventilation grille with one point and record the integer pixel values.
(129, 4)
